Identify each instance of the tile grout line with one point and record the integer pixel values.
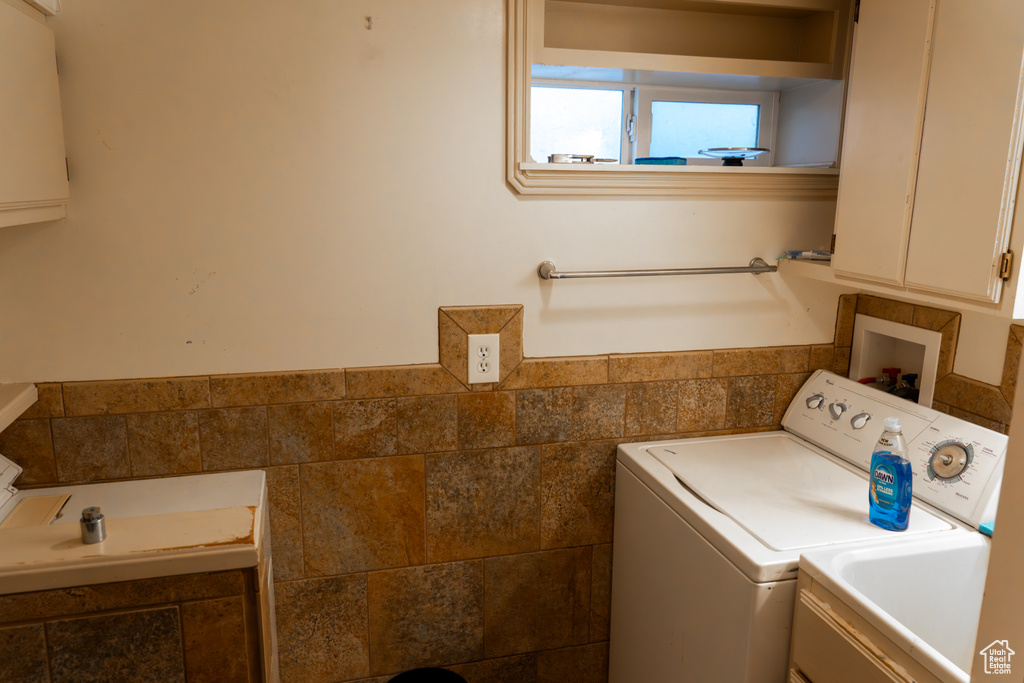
(181, 633)
(53, 441)
(369, 640)
(302, 531)
(128, 446)
(426, 538)
(266, 417)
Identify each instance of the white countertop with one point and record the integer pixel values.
(155, 527)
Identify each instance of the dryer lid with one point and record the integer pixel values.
(782, 492)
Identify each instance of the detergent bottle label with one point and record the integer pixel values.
(883, 483)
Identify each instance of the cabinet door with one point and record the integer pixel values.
(970, 150)
(827, 651)
(32, 166)
(881, 138)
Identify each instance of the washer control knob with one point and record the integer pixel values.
(949, 459)
(837, 410)
(859, 420)
(816, 401)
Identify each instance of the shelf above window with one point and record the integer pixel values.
(757, 38)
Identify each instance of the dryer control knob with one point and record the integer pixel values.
(859, 420)
(837, 410)
(816, 401)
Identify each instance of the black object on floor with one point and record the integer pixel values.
(428, 675)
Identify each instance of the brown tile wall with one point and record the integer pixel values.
(193, 629)
(417, 521)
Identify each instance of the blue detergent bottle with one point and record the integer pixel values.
(892, 480)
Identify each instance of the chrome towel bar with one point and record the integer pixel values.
(547, 271)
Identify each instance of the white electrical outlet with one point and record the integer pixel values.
(483, 356)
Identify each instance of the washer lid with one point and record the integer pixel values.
(782, 492)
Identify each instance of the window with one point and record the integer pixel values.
(578, 120)
(626, 122)
(685, 128)
(682, 121)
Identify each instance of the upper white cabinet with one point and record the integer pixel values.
(33, 171)
(932, 146)
(882, 137)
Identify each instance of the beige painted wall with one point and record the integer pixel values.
(981, 350)
(265, 185)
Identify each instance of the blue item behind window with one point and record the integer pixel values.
(661, 161)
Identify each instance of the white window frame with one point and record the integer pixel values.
(768, 102)
(636, 106)
(627, 90)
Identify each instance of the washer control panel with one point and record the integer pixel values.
(957, 465)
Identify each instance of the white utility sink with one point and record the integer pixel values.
(925, 595)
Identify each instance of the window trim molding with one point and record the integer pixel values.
(595, 179)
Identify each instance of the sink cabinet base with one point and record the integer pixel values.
(196, 627)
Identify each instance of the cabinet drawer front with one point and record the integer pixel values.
(828, 650)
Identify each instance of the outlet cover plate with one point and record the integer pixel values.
(482, 355)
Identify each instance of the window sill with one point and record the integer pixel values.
(692, 181)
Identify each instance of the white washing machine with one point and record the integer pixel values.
(709, 531)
